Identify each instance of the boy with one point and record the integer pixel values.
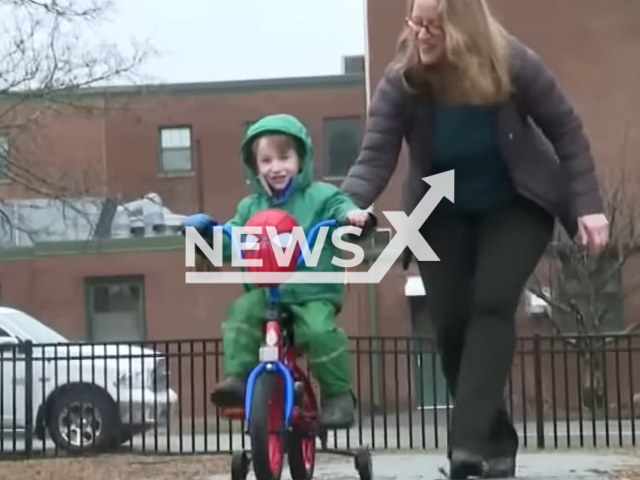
(277, 159)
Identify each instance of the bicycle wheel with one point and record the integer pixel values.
(266, 427)
(302, 446)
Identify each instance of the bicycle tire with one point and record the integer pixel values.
(302, 447)
(266, 427)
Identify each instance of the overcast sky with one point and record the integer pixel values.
(212, 40)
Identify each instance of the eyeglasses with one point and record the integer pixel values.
(431, 28)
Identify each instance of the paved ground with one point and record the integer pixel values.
(412, 436)
(590, 464)
(534, 466)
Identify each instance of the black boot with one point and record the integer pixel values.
(338, 411)
(229, 392)
(501, 459)
(500, 467)
(463, 464)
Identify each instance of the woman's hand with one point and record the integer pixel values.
(358, 218)
(594, 231)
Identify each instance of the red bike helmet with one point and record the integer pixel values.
(283, 224)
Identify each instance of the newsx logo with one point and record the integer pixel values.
(408, 235)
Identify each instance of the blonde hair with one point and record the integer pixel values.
(476, 69)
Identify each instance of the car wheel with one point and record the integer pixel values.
(82, 419)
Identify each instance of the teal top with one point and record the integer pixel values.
(465, 139)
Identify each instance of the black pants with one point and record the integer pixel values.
(473, 293)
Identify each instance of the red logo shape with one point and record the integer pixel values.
(282, 226)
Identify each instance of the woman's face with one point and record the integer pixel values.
(428, 33)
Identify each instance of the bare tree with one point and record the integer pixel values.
(49, 55)
(588, 291)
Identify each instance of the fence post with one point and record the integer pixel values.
(537, 373)
(28, 397)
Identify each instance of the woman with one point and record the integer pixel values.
(465, 95)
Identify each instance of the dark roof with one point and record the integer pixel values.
(354, 80)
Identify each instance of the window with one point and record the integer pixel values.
(115, 309)
(342, 137)
(175, 150)
(5, 166)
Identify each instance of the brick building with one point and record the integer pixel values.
(181, 143)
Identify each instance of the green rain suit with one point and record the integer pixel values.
(313, 306)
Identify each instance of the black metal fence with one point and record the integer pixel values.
(154, 398)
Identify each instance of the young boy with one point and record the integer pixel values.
(277, 159)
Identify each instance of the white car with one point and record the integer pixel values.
(86, 396)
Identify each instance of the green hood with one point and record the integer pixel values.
(279, 123)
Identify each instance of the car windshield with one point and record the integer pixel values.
(32, 329)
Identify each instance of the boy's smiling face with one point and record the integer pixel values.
(277, 160)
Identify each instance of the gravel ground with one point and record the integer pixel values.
(117, 467)
(626, 474)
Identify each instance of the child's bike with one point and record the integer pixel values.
(280, 406)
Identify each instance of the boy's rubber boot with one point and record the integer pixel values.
(338, 411)
(229, 392)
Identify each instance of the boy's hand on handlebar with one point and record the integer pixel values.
(200, 221)
(358, 218)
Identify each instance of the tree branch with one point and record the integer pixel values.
(47, 61)
(68, 9)
(585, 281)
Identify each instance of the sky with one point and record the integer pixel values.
(217, 40)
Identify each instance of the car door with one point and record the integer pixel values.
(12, 385)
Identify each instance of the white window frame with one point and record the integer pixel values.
(163, 147)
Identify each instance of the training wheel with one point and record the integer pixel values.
(364, 467)
(239, 466)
